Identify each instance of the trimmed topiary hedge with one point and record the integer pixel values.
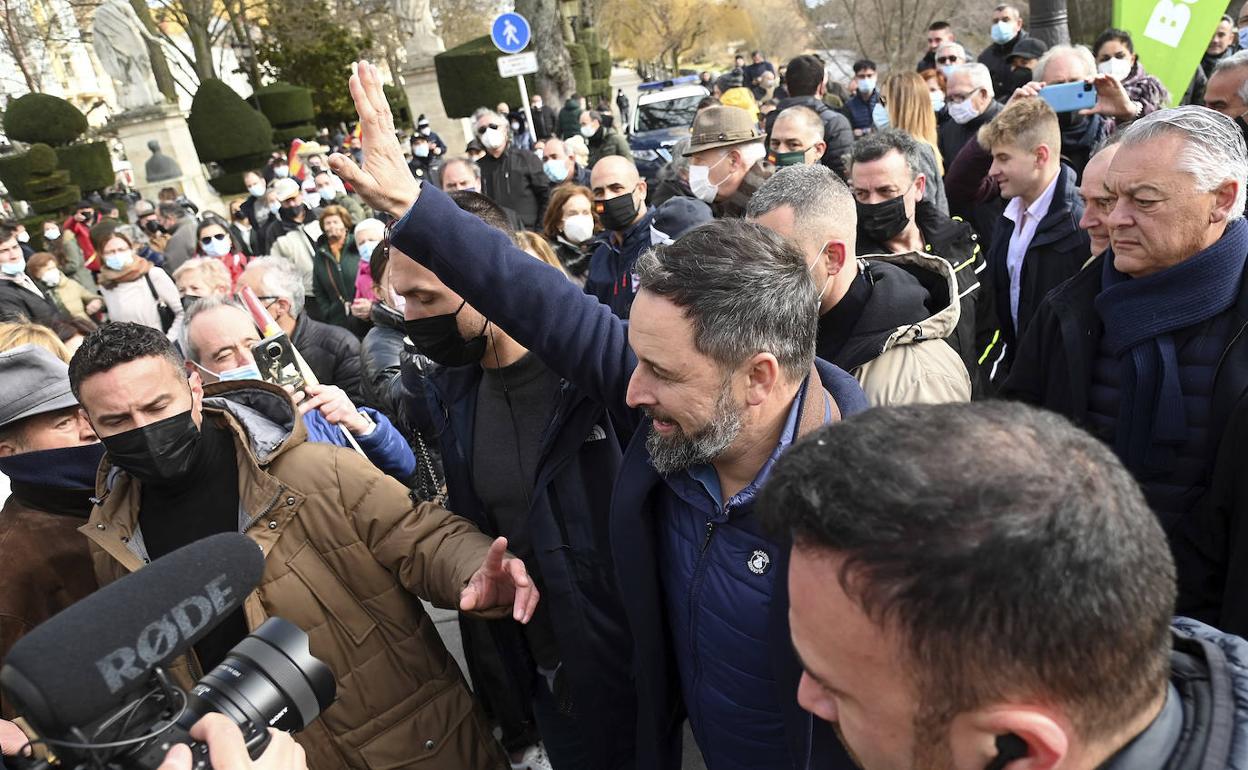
(402, 111)
(48, 189)
(222, 125)
(228, 131)
(578, 57)
(13, 172)
(289, 110)
(468, 79)
(43, 118)
(285, 104)
(90, 165)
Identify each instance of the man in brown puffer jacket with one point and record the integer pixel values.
(347, 553)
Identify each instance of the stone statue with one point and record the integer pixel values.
(416, 17)
(160, 166)
(119, 40)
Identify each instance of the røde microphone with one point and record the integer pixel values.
(82, 662)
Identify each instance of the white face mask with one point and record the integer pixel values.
(217, 247)
(256, 190)
(963, 112)
(281, 172)
(578, 228)
(700, 181)
(587, 131)
(327, 193)
(1118, 69)
(52, 233)
(51, 277)
(312, 199)
(23, 237)
(493, 138)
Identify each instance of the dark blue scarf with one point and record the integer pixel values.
(1140, 315)
(67, 468)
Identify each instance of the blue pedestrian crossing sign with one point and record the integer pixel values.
(510, 33)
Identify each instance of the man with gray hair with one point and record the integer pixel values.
(714, 376)
(1080, 133)
(968, 98)
(332, 352)
(727, 159)
(796, 138)
(560, 165)
(949, 55)
(874, 317)
(510, 176)
(1145, 346)
(1227, 91)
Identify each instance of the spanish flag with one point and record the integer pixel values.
(292, 160)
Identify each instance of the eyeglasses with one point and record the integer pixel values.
(488, 126)
(207, 239)
(947, 59)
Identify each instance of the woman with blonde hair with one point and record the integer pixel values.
(15, 334)
(536, 246)
(909, 104)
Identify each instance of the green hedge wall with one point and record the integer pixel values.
(285, 104)
(42, 118)
(468, 79)
(13, 172)
(90, 165)
(579, 58)
(228, 131)
(224, 126)
(600, 63)
(402, 111)
(282, 137)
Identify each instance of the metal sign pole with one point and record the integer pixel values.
(528, 111)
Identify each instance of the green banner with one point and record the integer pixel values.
(1170, 36)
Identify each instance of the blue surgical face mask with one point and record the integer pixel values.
(248, 372)
(366, 250)
(947, 70)
(118, 261)
(879, 116)
(14, 268)
(1002, 32)
(556, 170)
(1243, 38)
(938, 100)
(866, 85)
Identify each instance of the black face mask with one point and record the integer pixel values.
(882, 221)
(162, 453)
(437, 337)
(617, 213)
(291, 213)
(188, 301)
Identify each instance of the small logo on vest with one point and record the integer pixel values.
(597, 434)
(759, 562)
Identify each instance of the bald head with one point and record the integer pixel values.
(612, 169)
(614, 177)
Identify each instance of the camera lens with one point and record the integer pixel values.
(268, 679)
(274, 350)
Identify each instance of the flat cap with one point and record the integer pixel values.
(33, 381)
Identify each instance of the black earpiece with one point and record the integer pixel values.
(1009, 748)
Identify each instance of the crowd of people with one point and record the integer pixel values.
(894, 424)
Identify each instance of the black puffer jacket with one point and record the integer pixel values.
(333, 353)
(837, 132)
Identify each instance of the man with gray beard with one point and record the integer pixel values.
(712, 378)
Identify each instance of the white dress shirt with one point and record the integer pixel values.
(1025, 223)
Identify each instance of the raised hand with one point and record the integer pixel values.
(501, 581)
(384, 181)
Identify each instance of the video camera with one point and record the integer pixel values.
(107, 702)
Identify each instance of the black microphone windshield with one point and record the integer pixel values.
(81, 663)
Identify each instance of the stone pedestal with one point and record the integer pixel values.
(166, 124)
(420, 81)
